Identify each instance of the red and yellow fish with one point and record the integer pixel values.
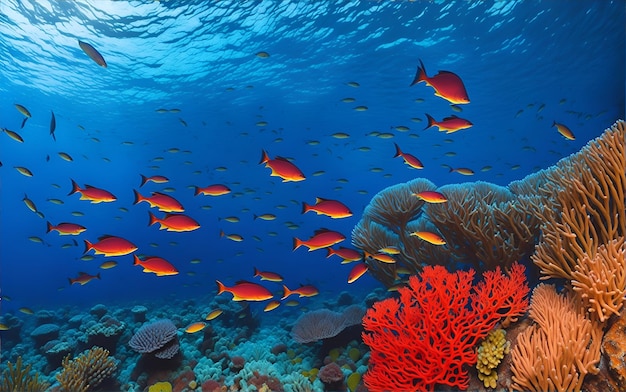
(155, 179)
(174, 222)
(346, 254)
(430, 237)
(91, 193)
(431, 197)
(245, 291)
(357, 271)
(322, 238)
(65, 228)
(447, 85)
(408, 158)
(83, 278)
(333, 208)
(302, 291)
(156, 265)
(266, 275)
(212, 190)
(271, 306)
(163, 202)
(195, 327)
(282, 168)
(564, 130)
(449, 124)
(462, 170)
(109, 245)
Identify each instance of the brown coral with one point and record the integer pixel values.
(86, 371)
(18, 378)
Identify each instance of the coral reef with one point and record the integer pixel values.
(323, 323)
(17, 378)
(157, 338)
(490, 353)
(332, 377)
(86, 371)
(428, 336)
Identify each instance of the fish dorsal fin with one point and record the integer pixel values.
(322, 230)
(282, 159)
(451, 117)
(447, 73)
(82, 273)
(244, 282)
(159, 194)
(87, 186)
(106, 236)
(320, 199)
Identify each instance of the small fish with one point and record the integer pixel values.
(93, 194)
(83, 278)
(332, 208)
(263, 55)
(65, 156)
(282, 168)
(447, 85)
(109, 245)
(155, 179)
(340, 135)
(390, 250)
(462, 170)
(409, 159)
(271, 306)
(4, 327)
(24, 171)
(261, 124)
(386, 135)
(35, 239)
(564, 130)
(92, 53)
(449, 124)
(22, 109)
(245, 291)
(346, 254)
(13, 135)
(348, 100)
(402, 128)
(353, 84)
(65, 228)
(29, 203)
(382, 257)
(266, 275)
(292, 303)
(195, 327)
(212, 190)
(430, 237)
(431, 197)
(155, 265)
(231, 219)
(302, 291)
(456, 108)
(183, 122)
(108, 264)
(266, 217)
(25, 310)
(53, 126)
(322, 238)
(232, 237)
(213, 314)
(78, 213)
(357, 271)
(174, 222)
(361, 108)
(163, 202)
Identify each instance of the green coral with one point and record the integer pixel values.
(490, 354)
(18, 379)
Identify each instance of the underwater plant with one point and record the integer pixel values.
(17, 378)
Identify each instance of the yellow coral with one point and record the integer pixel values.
(490, 354)
(86, 371)
(162, 386)
(16, 378)
(353, 381)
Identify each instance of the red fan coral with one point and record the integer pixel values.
(428, 337)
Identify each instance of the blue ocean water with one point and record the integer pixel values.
(525, 65)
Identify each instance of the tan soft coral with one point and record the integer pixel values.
(86, 371)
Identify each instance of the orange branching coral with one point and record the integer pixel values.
(558, 351)
(601, 281)
(86, 371)
(588, 206)
(484, 224)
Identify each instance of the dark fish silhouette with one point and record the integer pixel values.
(53, 126)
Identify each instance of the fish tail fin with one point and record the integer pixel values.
(75, 188)
(196, 191)
(256, 272)
(264, 157)
(49, 227)
(286, 292)
(98, 275)
(420, 75)
(305, 207)
(329, 252)
(398, 151)
(88, 246)
(136, 260)
(220, 287)
(144, 179)
(24, 122)
(254, 216)
(431, 121)
(153, 219)
(554, 123)
(71, 281)
(138, 197)
(296, 243)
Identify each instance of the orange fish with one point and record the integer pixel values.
(163, 202)
(83, 278)
(408, 158)
(109, 245)
(563, 130)
(65, 228)
(212, 190)
(447, 85)
(462, 170)
(357, 271)
(156, 265)
(155, 179)
(302, 291)
(271, 306)
(266, 275)
(245, 291)
(382, 257)
(322, 238)
(282, 168)
(93, 194)
(431, 197)
(174, 222)
(214, 314)
(448, 124)
(427, 236)
(346, 254)
(333, 208)
(195, 327)
(92, 53)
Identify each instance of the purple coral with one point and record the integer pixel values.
(158, 338)
(323, 323)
